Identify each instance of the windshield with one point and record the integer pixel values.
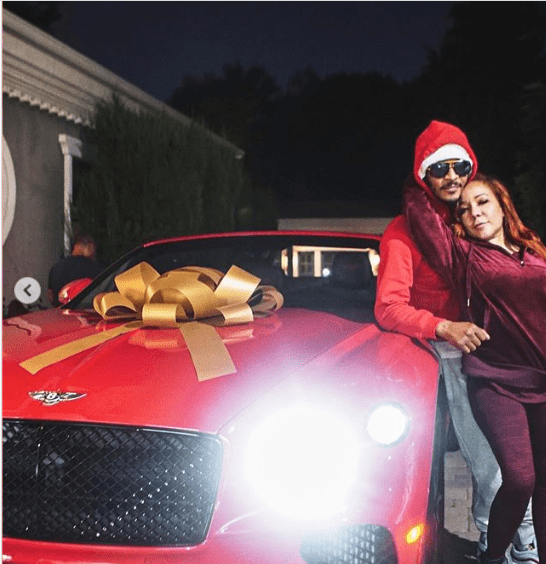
(334, 274)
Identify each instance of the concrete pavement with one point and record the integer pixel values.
(458, 497)
(460, 533)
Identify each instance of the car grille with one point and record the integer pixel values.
(79, 483)
(354, 544)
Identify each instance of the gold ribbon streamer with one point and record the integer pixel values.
(40, 361)
(194, 299)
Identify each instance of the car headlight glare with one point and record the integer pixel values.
(302, 462)
(388, 424)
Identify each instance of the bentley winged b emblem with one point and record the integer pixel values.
(53, 398)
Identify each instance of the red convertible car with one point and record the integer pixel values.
(226, 399)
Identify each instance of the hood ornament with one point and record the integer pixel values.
(53, 398)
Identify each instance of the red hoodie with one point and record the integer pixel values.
(411, 297)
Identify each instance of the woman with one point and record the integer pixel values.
(498, 267)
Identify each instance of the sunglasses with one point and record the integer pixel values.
(439, 170)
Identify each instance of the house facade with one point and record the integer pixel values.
(50, 92)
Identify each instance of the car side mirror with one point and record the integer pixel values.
(72, 289)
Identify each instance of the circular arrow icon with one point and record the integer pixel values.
(27, 290)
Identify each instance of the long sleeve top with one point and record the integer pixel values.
(502, 292)
(411, 297)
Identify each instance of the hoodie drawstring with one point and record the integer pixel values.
(468, 279)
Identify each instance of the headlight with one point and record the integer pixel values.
(302, 462)
(388, 424)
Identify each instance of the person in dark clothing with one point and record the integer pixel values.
(81, 263)
(498, 269)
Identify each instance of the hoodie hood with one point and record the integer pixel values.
(443, 141)
(440, 141)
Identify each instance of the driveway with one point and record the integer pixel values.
(460, 533)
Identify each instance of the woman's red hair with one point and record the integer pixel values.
(514, 230)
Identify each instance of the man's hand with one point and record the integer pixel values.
(464, 335)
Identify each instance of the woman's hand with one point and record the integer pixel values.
(464, 335)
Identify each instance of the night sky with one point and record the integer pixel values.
(154, 44)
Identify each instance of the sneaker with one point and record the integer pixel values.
(482, 547)
(524, 554)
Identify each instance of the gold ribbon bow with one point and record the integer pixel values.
(194, 299)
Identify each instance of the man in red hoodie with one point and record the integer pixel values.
(412, 299)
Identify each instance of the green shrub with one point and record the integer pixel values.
(152, 178)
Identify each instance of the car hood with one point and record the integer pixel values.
(146, 377)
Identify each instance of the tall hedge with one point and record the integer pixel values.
(154, 178)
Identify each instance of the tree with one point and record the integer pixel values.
(478, 77)
(490, 81)
(343, 136)
(351, 136)
(230, 104)
(530, 179)
(318, 137)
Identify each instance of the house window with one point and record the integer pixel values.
(80, 170)
(77, 157)
(327, 261)
(318, 261)
(8, 190)
(306, 263)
